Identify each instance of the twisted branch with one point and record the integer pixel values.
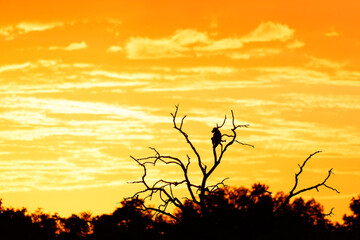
(179, 128)
(164, 188)
(295, 192)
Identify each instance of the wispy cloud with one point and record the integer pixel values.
(14, 67)
(66, 172)
(325, 63)
(254, 53)
(269, 31)
(190, 42)
(115, 26)
(221, 45)
(71, 46)
(63, 106)
(29, 89)
(307, 101)
(145, 48)
(189, 36)
(12, 31)
(296, 74)
(295, 44)
(191, 85)
(114, 49)
(76, 46)
(125, 76)
(205, 70)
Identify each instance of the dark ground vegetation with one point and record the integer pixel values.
(234, 213)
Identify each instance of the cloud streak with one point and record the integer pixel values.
(71, 46)
(10, 32)
(190, 42)
(269, 31)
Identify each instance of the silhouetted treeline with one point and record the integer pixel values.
(233, 213)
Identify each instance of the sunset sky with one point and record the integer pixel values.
(86, 84)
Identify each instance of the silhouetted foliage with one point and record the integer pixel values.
(18, 224)
(49, 226)
(241, 213)
(127, 222)
(351, 227)
(233, 213)
(75, 227)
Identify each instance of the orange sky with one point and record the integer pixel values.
(85, 84)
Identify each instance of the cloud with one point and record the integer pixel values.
(12, 31)
(325, 63)
(295, 44)
(190, 42)
(114, 49)
(65, 172)
(295, 74)
(145, 48)
(76, 46)
(71, 46)
(269, 31)
(125, 76)
(254, 53)
(63, 106)
(175, 46)
(54, 64)
(29, 89)
(26, 117)
(198, 86)
(29, 27)
(183, 43)
(330, 101)
(190, 36)
(114, 21)
(115, 26)
(14, 67)
(222, 44)
(211, 70)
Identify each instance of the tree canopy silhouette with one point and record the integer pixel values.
(233, 213)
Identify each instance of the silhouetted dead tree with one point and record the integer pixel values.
(198, 192)
(293, 192)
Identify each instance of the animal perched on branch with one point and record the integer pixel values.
(199, 193)
(216, 139)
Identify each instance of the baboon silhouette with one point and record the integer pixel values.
(216, 139)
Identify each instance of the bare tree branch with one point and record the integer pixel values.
(293, 192)
(202, 167)
(245, 144)
(330, 214)
(215, 187)
(158, 211)
(164, 189)
(217, 159)
(222, 123)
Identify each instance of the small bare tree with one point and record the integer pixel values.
(198, 192)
